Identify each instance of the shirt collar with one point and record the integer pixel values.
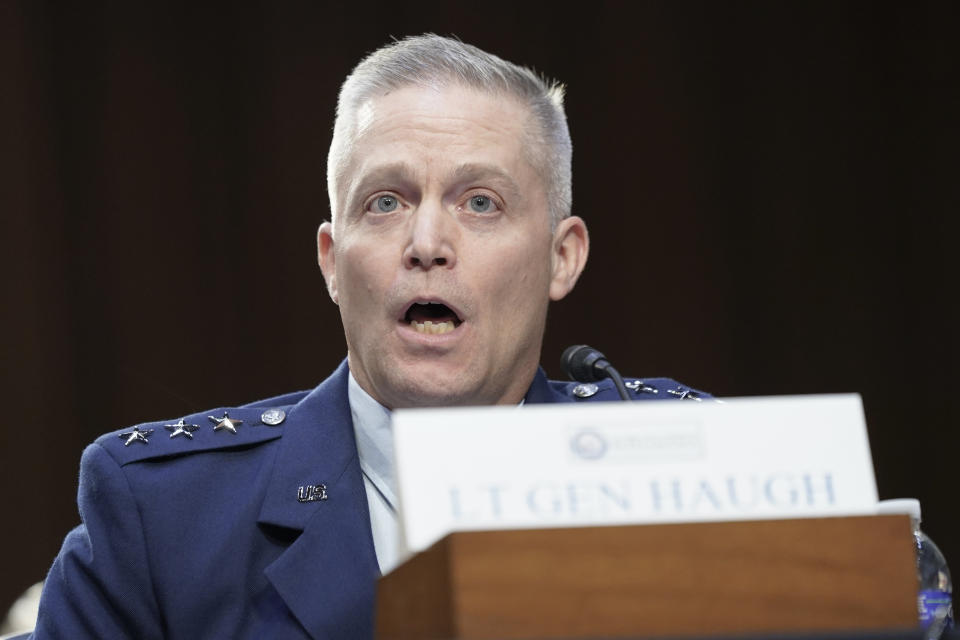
(374, 435)
(373, 431)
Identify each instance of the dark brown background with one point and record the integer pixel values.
(771, 190)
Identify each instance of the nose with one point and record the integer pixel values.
(432, 238)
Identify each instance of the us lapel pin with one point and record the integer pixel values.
(312, 493)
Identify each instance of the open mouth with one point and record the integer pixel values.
(431, 317)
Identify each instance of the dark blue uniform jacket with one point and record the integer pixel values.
(206, 538)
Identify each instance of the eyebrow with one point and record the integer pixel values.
(480, 171)
(399, 171)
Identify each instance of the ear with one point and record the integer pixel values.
(326, 257)
(571, 244)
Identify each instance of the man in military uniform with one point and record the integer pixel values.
(449, 183)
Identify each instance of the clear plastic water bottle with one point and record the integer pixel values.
(935, 597)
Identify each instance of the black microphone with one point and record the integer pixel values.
(586, 364)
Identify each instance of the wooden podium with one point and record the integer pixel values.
(774, 576)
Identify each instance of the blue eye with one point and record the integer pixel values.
(385, 204)
(481, 204)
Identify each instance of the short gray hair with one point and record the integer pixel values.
(435, 61)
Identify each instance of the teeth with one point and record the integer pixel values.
(432, 327)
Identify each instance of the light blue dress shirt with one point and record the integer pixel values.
(374, 435)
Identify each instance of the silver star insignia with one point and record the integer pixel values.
(226, 422)
(640, 387)
(136, 436)
(685, 394)
(181, 428)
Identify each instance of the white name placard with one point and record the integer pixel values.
(630, 463)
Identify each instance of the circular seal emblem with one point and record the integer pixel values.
(273, 417)
(589, 445)
(585, 390)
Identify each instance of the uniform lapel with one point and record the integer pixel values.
(327, 576)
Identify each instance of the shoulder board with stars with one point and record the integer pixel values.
(205, 431)
(639, 389)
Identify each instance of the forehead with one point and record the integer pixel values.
(440, 111)
(433, 130)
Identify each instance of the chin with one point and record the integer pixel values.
(427, 392)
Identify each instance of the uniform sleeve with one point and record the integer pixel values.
(100, 584)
